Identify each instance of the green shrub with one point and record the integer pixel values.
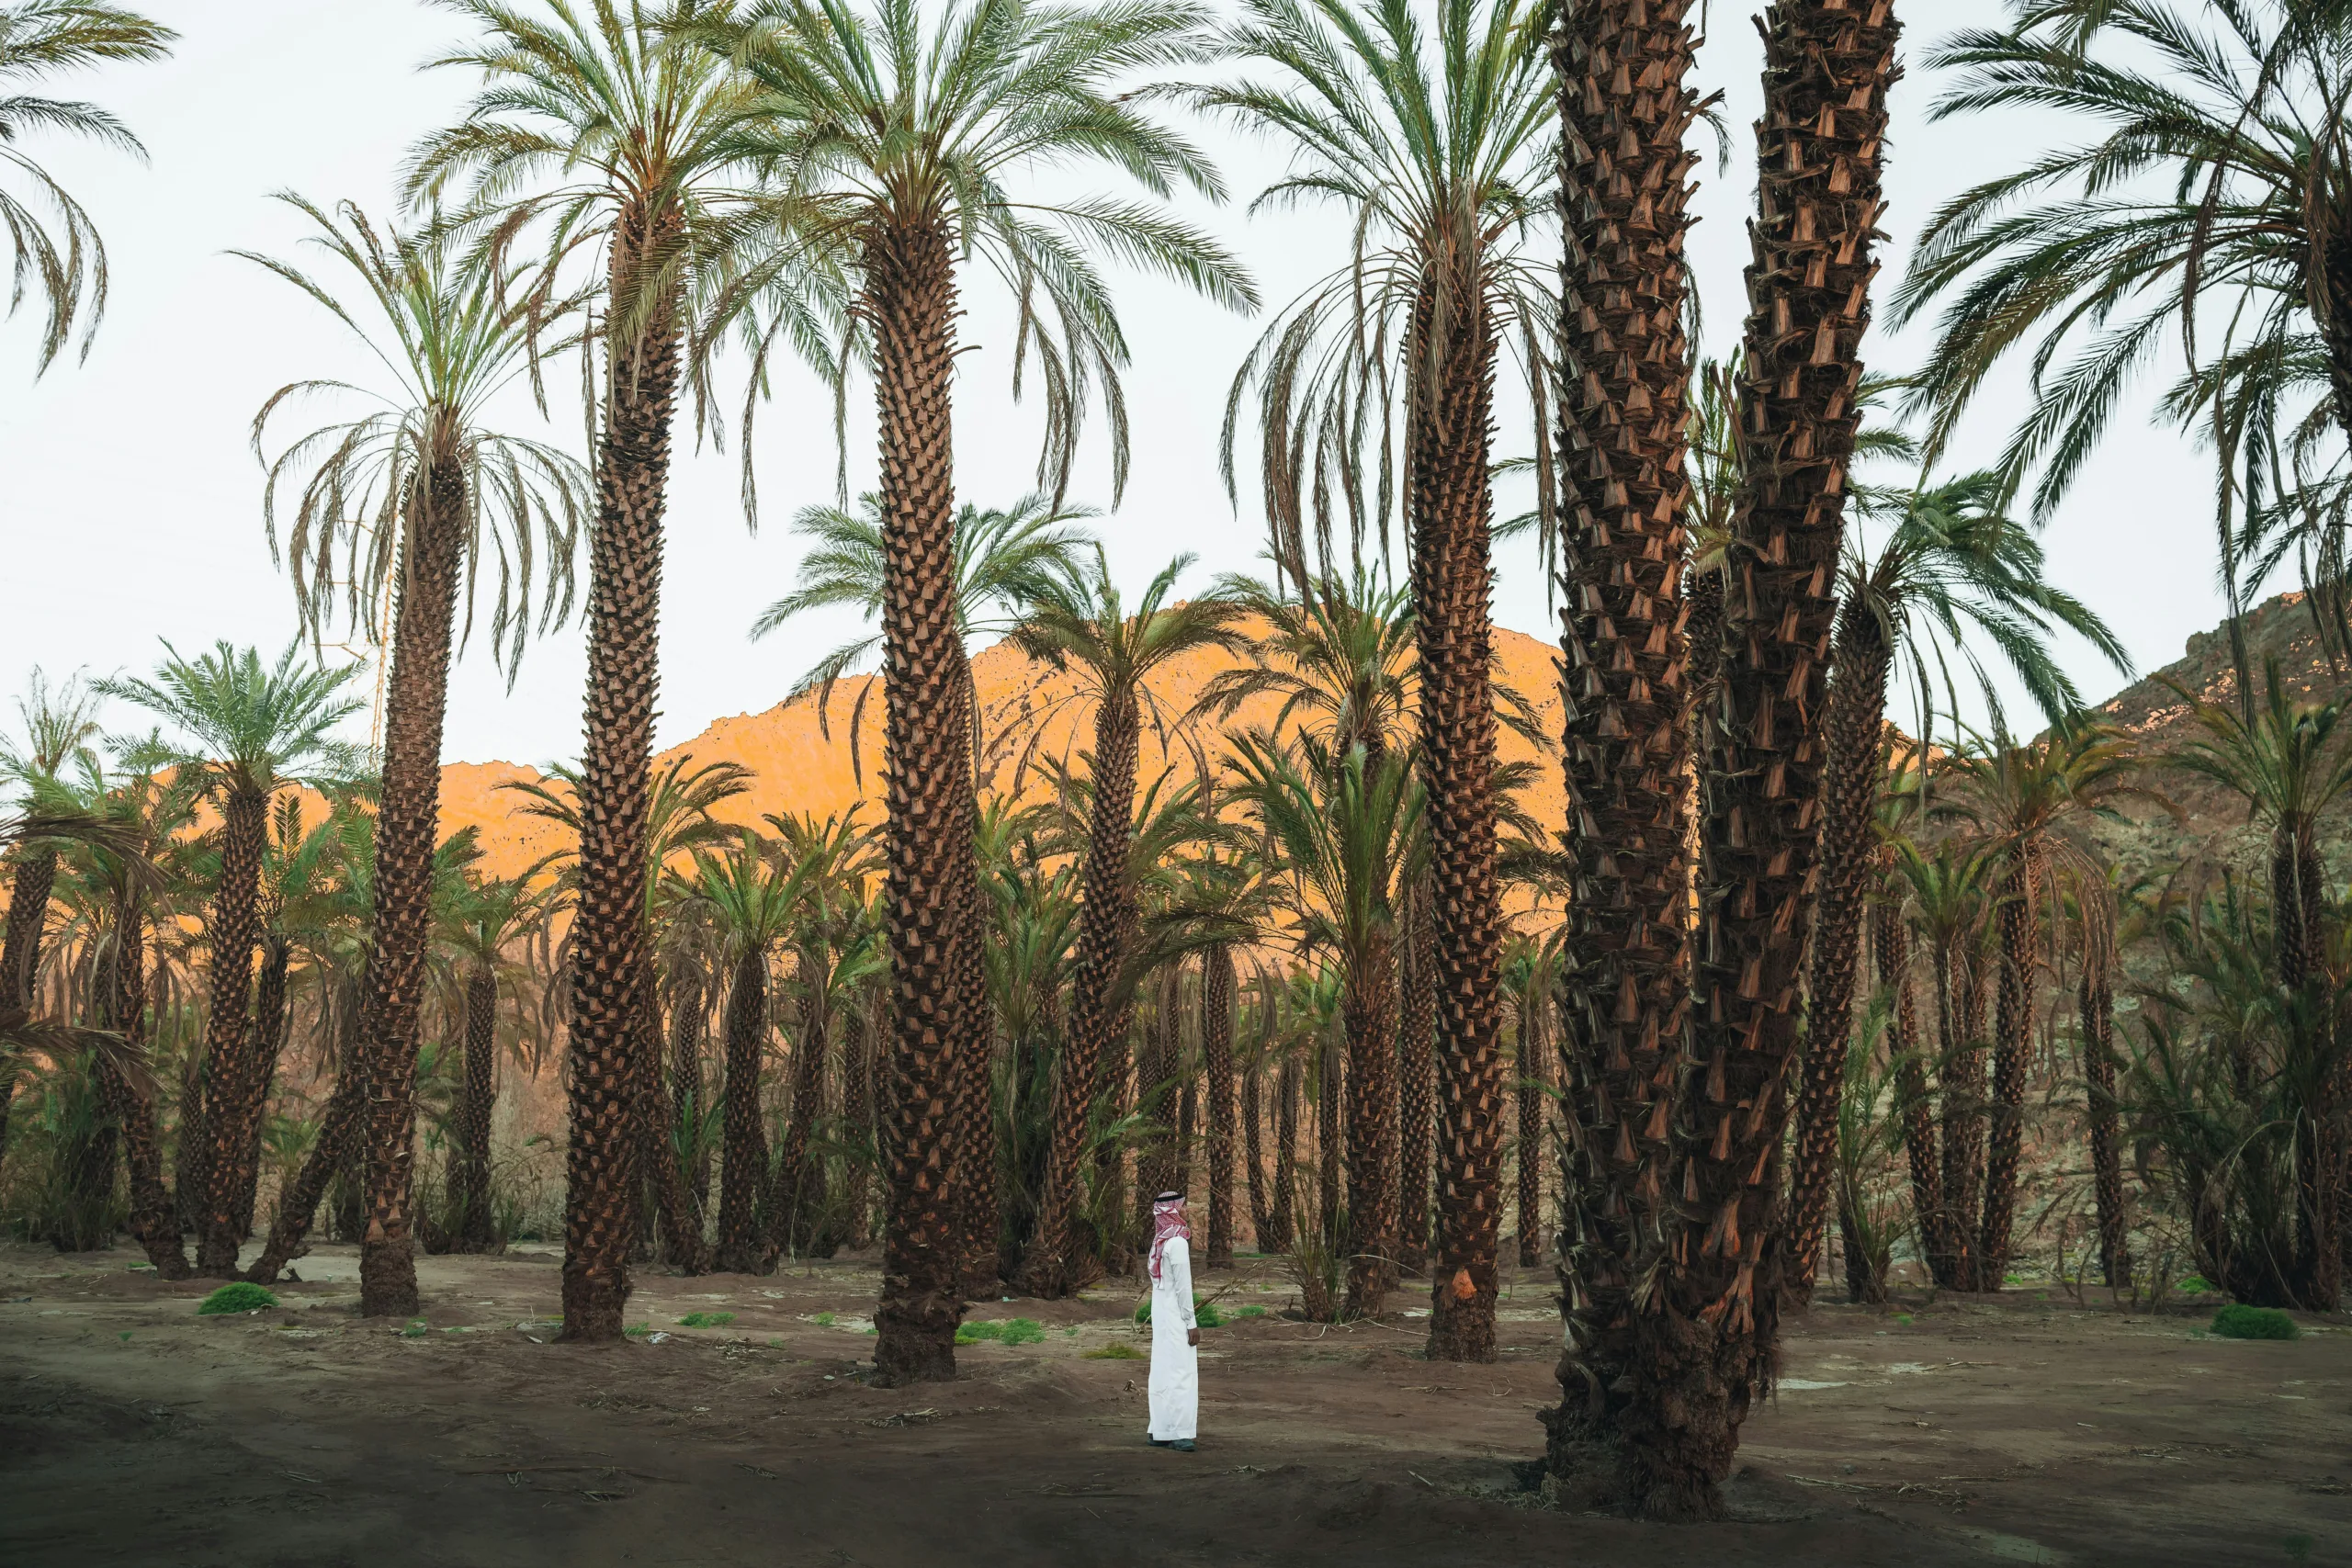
(241, 1295)
(2236, 1322)
(1112, 1353)
(2195, 1285)
(637, 1330)
(1252, 1311)
(825, 1319)
(414, 1330)
(1018, 1331)
(1205, 1314)
(706, 1320)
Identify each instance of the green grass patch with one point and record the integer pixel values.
(2195, 1285)
(1112, 1353)
(241, 1295)
(706, 1320)
(2236, 1322)
(416, 1330)
(1207, 1314)
(1251, 1310)
(637, 1330)
(1003, 1331)
(825, 1319)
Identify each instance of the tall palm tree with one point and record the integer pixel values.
(405, 503)
(480, 927)
(1081, 625)
(251, 730)
(64, 265)
(1430, 145)
(1951, 559)
(2210, 201)
(907, 138)
(1344, 831)
(59, 724)
(639, 130)
(754, 896)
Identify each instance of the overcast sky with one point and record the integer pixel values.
(133, 496)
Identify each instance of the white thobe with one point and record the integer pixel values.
(1175, 1365)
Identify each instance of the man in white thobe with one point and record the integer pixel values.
(1175, 1336)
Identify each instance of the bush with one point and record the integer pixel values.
(1249, 1312)
(2236, 1322)
(1018, 1331)
(1205, 1314)
(240, 1296)
(1112, 1353)
(706, 1320)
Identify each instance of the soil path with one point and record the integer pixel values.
(2019, 1430)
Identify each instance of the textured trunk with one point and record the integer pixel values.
(859, 1107)
(671, 1205)
(261, 1066)
(799, 1202)
(1369, 1013)
(2106, 1165)
(407, 828)
(208, 1135)
(1416, 1087)
(469, 1169)
(154, 1219)
(2012, 1048)
(1849, 783)
(1104, 919)
(1253, 1153)
(682, 1245)
(1284, 1210)
(339, 1132)
(20, 951)
(1961, 1074)
(743, 1169)
(1188, 1123)
(1530, 1129)
(911, 303)
(983, 1215)
(1891, 950)
(2298, 897)
(1216, 1062)
(1450, 434)
(1155, 1102)
(1327, 1090)
(609, 967)
(1707, 1343)
(1629, 643)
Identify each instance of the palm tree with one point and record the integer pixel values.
(59, 726)
(1340, 661)
(2213, 192)
(1430, 146)
(65, 267)
(642, 127)
(1951, 558)
(755, 897)
(1080, 624)
(480, 927)
(2023, 797)
(252, 730)
(1636, 622)
(409, 499)
(904, 140)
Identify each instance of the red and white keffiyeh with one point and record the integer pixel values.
(1167, 1219)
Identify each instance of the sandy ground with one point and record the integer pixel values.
(2022, 1430)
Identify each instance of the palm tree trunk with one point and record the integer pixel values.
(1531, 1097)
(744, 1171)
(799, 1204)
(1827, 66)
(1104, 919)
(252, 1098)
(860, 1110)
(20, 951)
(407, 828)
(1890, 948)
(1369, 1009)
(470, 1170)
(1450, 433)
(1416, 1087)
(2097, 1024)
(1629, 641)
(1253, 1152)
(609, 967)
(1216, 1059)
(910, 302)
(154, 1221)
(1327, 1090)
(982, 1209)
(1284, 1210)
(668, 1201)
(683, 1245)
(1154, 1101)
(2012, 1046)
(1849, 781)
(1961, 1075)
(206, 1137)
(339, 1129)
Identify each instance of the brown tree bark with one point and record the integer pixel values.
(1959, 1074)
(609, 968)
(207, 1139)
(909, 303)
(1623, 454)
(2012, 1049)
(1368, 1011)
(1849, 781)
(982, 1208)
(1416, 1086)
(1253, 1152)
(1890, 951)
(1530, 1086)
(2097, 1024)
(1216, 1063)
(1283, 1211)
(21, 950)
(743, 1165)
(261, 1064)
(154, 1219)
(474, 1230)
(797, 1205)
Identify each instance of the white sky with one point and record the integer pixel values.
(132, 500)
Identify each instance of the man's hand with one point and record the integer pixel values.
(1192, 1337)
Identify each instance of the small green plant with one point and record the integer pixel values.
(974, 1333)
(825, 1319)
(2238, 1322)
(1017, 1331)
(126, 1336)
(706, 1320)
(1251, 1310)
(241, 1295)
(1904, 1318)
(637, 1330)
(2195, 1285)
(1112, 1353)
(415, 1329)
(1207, 1314)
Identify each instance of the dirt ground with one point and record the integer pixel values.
(2021, 1430)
